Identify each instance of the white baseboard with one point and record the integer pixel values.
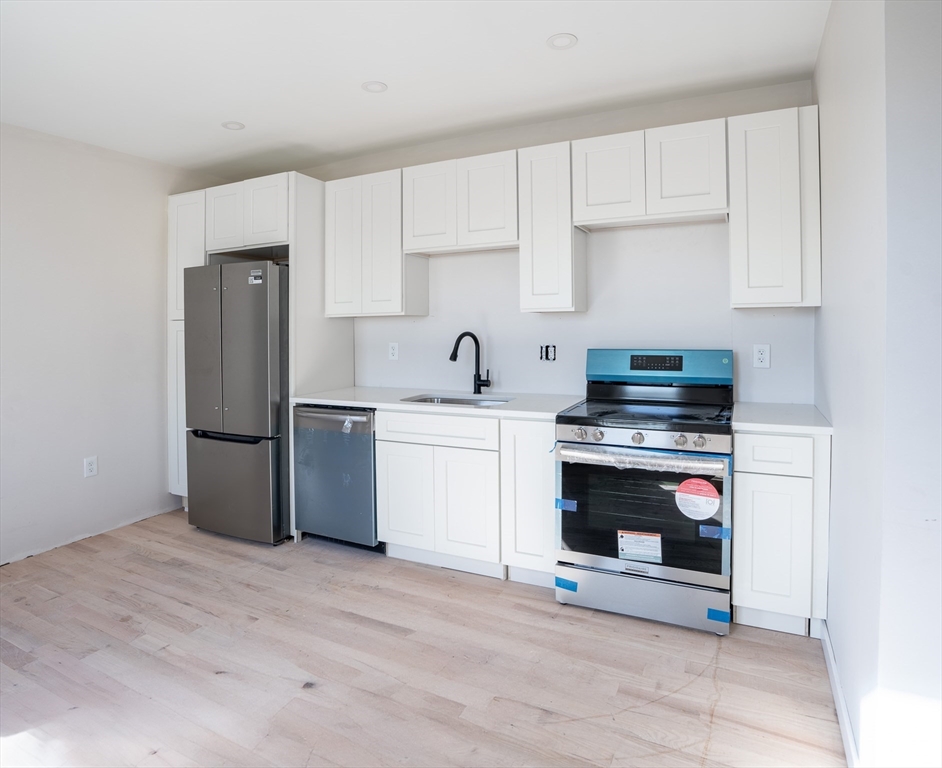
(777, 622)
(529, 576)
(427, 557)
(840, 703)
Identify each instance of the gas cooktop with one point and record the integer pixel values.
(715, 419)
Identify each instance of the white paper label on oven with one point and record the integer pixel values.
(635, 545)
(697, 499)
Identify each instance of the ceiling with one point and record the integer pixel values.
(156, 79)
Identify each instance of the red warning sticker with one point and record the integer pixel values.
(697, 499)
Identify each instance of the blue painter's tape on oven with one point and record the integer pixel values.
(572, 586)
(715, 615)
(715, 532)
(569, 505)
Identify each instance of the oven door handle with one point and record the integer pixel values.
(629, 460)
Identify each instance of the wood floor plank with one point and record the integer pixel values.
(158, 644)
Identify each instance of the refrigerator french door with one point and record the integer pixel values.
(236, 399)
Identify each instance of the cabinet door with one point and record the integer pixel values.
(186, 242)
(467, 503)
(608, 177)
(265, 209)
(224, 217)
(429, 207)
(527, 494)
(176, 408)
(487, 199)
(772, 538)
(405, 500)
(685, 167)
(764, 208)
(343, 247)
(546, 237)
(382, 242)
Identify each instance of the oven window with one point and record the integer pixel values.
(638, 515)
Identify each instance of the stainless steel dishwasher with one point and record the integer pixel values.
(334, 475)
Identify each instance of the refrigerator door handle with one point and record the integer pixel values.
(205, 434)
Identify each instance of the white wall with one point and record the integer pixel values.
(850, 334)
(648, 286)
(664, 286)
(83, 250)
(911, 590)
(649, 114)
(877, 368)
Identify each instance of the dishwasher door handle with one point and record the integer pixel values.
(331, 415)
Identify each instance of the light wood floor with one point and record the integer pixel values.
(157, 644)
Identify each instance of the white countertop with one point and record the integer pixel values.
(782, 418)
(521, 406)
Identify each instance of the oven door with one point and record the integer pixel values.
(660, 514)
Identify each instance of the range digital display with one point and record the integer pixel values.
(657, 362)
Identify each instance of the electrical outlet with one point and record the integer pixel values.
(548, 352)
(394, 350)
(761, 355)
(91, 466)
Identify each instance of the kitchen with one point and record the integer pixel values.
(653, 287)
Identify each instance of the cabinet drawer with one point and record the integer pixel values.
(774, 454)
(430, 429)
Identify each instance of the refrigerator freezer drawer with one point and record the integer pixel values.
(234, 486)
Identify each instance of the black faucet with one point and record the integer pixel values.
(478, 381)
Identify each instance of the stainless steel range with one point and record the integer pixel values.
(644, 487)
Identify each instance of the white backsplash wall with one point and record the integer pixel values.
(649, 287)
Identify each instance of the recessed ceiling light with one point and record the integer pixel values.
(562, 41)
(374, 86)
(232, 125)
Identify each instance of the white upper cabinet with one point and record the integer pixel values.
(552, 254)
(608, 177)
(265, 209)
(469, 203)
(343, 251)
(366, 272)
(224, 217)
(487, 199)
(186, 217)
(381, 229)
(774, 219)
(685, 167)
(429, 207)
(251, 212)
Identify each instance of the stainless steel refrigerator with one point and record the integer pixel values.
(236, 342)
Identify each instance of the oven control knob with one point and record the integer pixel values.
(637, 438)
(598, 435)
(579, 433)
(680, 441)
(699, 441)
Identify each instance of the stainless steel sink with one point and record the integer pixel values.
(472, 400)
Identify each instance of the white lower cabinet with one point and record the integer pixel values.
(176, 408)
(467, 503)
(781, 502)
(405, 498)
(772, 545)
(438, 488)
(527, 493)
